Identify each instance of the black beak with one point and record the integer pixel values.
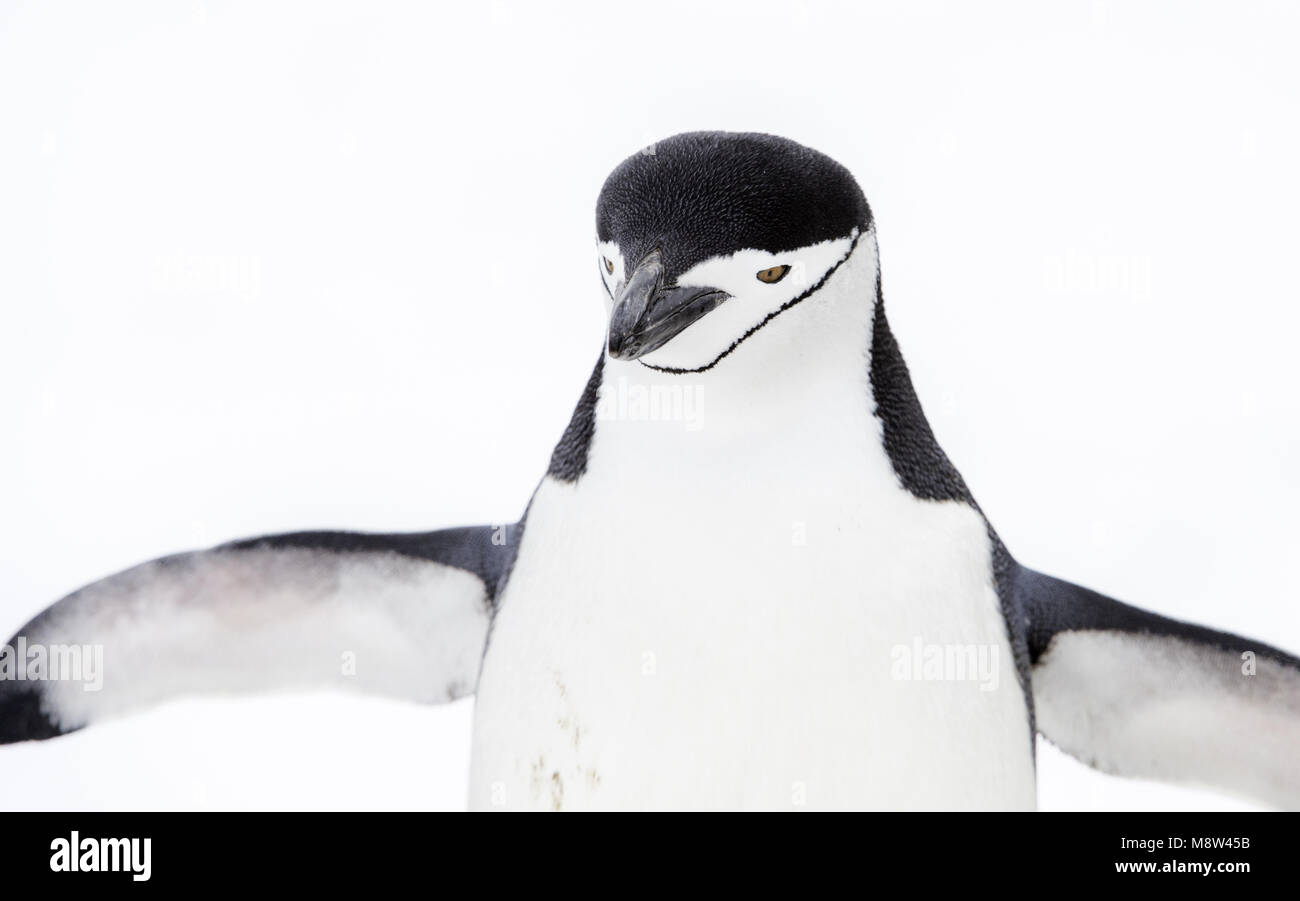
(647, 315)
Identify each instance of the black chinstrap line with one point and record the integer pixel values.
(794, 301)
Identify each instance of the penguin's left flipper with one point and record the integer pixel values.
(403, 615)
(1137, 694)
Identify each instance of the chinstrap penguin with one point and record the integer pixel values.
(749, 579)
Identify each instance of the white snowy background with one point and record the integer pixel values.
(269, 266)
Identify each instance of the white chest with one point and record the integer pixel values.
(697, 628)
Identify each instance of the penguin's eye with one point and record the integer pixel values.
(773, 275)
(609, 265)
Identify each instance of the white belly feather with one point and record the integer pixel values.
(747, 640)
(723, 611)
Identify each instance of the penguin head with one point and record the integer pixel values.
(705, 237)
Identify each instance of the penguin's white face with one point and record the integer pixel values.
(752, 286)
(613, 271)
(706, 240)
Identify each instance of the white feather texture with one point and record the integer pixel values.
(1164, 708)
(235, 621)
(709, 617)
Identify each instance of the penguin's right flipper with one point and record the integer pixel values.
(399, 615)
(1137, 694)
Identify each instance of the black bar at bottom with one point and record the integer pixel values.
(329, 850)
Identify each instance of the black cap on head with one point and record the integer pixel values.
(708, 193)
